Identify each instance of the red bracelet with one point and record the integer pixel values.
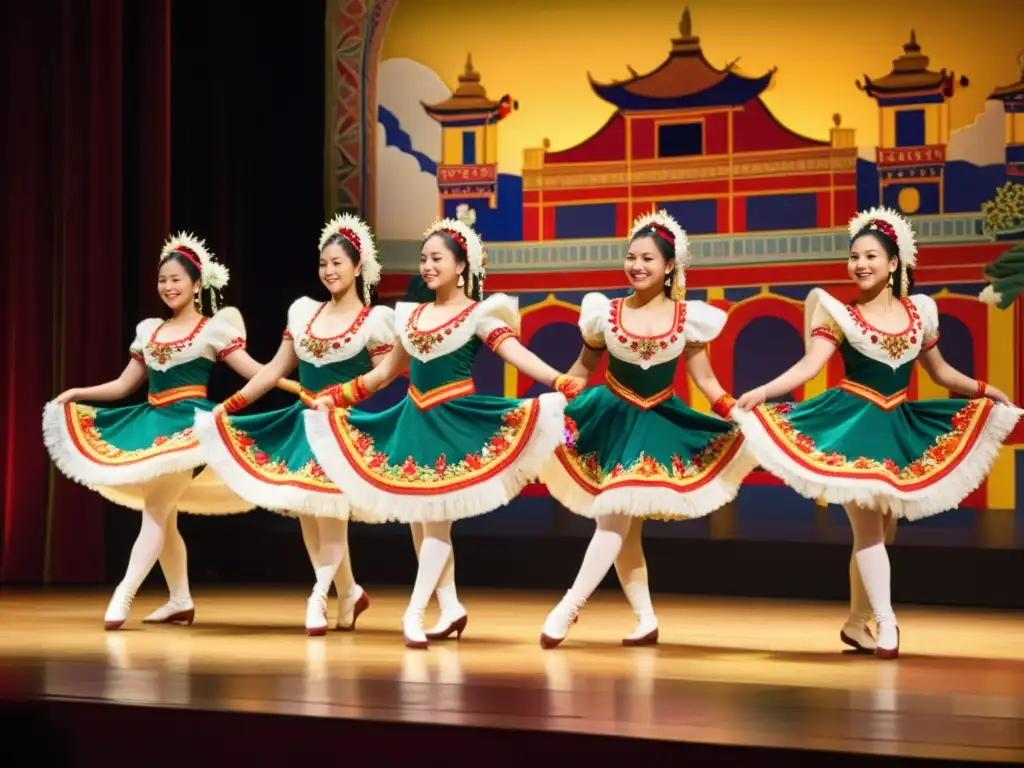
(723, 406)
(235, 403)
(982, 386)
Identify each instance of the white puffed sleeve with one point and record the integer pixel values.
(819, 321)
(594, 311)
(143, 332)
(225, 333)
(929, 312)
(703, 323)
(497, 319)
(381, 335)
(299, 314)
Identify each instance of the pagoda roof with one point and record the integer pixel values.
(910, 75)
(1014, 91)
(469, 97)
(685, 80)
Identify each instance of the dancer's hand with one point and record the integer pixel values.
(218, 410)
(570, 386)
(994, 393)
(66, 397)
(748, 401)
(324, 403)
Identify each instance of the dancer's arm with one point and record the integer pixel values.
(263, 379)
(131, 378)
(698, 365)
(586, 363)
(819, 351)
(390, 367)
(948, 377)
(519, 357)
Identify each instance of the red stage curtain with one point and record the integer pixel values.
(62, 267)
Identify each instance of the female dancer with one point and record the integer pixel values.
(444, 453)
(862, 444)
(265, 457)
(638, 451)
(143, 456)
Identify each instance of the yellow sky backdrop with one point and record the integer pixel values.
(540, 51)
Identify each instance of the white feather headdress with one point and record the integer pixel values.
(214, 275)
(469, 239)
(661, 220)
(898, 229)
(356, 231)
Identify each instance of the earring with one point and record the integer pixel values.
(890, 280)
(198, 300)
(462, 280)
(668, 281)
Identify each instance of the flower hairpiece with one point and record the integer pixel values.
(356, 231)
(666, 227)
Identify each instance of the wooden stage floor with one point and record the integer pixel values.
(764, 673)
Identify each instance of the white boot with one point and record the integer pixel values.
(646, 632)
(412, 629)
(350, 606)
(118, 609)
(639, 596)
(856, 634)
(556, 627)
(316, 614)
(173, 612)
(453, 616)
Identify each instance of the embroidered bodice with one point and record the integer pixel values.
(344, 356)
(444, 354)
(873, 358)
(186, 361)
(646, 365)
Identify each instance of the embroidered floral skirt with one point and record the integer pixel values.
(458, 459)
(117, 451)
(668, 462)
(914, 459)
(267, 460)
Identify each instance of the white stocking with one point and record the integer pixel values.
(435, 551)
(631, 567)
(174, 561)
(161, 498)
(602, 552)
(332, 537)
(873, 564)
(447, 597)
(344, 581)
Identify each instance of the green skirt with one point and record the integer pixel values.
(665, 462)
(267, 460)
(461, 458)
(913, 459)
(117, 451)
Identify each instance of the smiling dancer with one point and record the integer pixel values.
(862, 444)
(143, 456)
(266, 457)
(444, 453)
(639, 452)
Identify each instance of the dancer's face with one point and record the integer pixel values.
(438, 266)
(337, 272)
(176, 288)
(645, 266)
(869, 265)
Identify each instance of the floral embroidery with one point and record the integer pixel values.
(91, 441)
(162, 351)
(318, 347)
(894, 344)
(829, 331)
(287, 335)
(645, 347)
(498, 335)
(232, 346)
(445, 469)
(311, 475)
(424, 341)
(383, 349)
(646, 468)
(935, 459)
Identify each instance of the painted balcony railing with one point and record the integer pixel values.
(708, 250)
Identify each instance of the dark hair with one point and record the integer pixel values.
(188, 265)
(665, 248)
(474, 289)
(892, 250)
(350, 250)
